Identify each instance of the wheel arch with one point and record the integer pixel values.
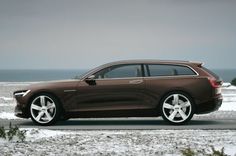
(44, 92)
(176, 90)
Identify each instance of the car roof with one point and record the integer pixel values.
(152, 61)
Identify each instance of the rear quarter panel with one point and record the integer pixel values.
(197, 87)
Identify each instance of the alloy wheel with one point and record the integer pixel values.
(43, 109)
(177, 108)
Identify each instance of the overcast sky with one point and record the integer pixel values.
(78, 34)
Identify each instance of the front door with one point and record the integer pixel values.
(119, 87)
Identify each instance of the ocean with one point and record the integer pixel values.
(46, 75)
(38, 75)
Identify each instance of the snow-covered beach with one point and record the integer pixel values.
(116, 142)
(125, 142)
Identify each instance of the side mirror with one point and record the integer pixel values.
(91, 80)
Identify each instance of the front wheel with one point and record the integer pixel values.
(177, 108)
(44, 110)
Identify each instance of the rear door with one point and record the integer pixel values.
(162, 78)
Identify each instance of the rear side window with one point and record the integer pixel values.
(169, 70)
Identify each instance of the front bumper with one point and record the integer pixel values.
(21, 109)
(210, 106)
(22, 98)
(21, 112)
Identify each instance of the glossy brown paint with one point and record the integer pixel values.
(125, 97)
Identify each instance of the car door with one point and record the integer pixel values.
(118, 87)
(164, 78)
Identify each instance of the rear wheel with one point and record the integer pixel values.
(45, 109)
(177, 108)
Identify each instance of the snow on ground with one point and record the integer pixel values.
(229, 98)
(9, 116)
(117, 142)
(7, 101)
(33, 134)
(123, 142)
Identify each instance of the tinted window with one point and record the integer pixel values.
(120, 71)
(169, 70)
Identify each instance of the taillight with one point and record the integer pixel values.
(214, 83)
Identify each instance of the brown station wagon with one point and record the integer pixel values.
(175, 90)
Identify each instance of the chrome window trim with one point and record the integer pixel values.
(122, 78)
(151, 77)
(174, 76)
(170, 76)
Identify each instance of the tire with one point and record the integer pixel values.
(45, 109)
(177, 108)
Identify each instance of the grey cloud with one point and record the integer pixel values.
(83, 34)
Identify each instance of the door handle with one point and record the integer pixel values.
(136, 81)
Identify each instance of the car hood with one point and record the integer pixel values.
(53, 84)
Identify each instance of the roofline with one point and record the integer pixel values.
(143, 61)
(155, 61)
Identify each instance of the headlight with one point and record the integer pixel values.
(21, 93)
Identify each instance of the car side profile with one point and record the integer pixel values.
(175, 90)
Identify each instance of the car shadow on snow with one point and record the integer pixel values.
(107, 122)
(124, 124)
(129, 122)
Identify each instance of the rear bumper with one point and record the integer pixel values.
(210, 106)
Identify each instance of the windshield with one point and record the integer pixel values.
(86, 74)
(82, 74)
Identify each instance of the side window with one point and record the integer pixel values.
(183, 70)
(120, 71)
(169, 70)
